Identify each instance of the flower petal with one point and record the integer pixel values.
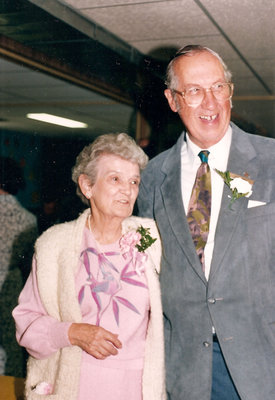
(127, 303)
(133, 282)
(116, 312)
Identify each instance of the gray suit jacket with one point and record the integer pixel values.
(239, 298)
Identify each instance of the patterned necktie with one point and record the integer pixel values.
(199, 209)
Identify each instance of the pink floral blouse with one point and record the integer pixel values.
(111, 294)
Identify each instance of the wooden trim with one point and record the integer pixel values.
(254, 98)
(17, 52)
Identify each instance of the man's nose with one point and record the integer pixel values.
(209, 100)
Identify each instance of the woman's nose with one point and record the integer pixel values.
(125, 187)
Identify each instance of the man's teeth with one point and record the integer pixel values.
(209, 117)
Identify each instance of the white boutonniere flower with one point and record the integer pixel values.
(240, 186)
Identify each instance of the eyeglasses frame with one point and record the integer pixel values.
(182, 93)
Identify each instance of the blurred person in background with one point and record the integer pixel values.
(18, 231)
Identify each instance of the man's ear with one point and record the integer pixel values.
(85, 186)
(172, 103)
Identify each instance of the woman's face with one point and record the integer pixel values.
(116, 187)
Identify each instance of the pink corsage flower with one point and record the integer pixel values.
(133, 244)
(129, 241)
(43, 388)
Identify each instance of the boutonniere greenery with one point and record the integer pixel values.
(146, 239)
(134, 243)
(240, 186)
(138, 240)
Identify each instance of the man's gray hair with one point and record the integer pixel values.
(171, 78)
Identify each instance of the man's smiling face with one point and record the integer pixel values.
(207, 122)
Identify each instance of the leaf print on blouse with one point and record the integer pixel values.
(107, 283)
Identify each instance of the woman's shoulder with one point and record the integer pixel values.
(62, 230)
(135, 222)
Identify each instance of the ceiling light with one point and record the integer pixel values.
(53, 119)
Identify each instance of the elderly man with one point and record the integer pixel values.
(213, 198)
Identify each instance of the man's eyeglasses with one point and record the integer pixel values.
(193, 96)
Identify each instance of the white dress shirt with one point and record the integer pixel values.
(190, 162)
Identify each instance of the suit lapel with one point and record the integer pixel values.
(242, 159)
(173, 203)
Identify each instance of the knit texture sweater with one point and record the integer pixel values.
(57, 253)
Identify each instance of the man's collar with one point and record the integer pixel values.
(220, 149)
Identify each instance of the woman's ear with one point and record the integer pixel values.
(85, 186)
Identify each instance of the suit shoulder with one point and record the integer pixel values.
(261, 143)
(262, 146)
(159, 159)
(156, 163)
(265, 149)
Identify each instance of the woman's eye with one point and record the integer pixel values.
(135, 182)
(115, 179)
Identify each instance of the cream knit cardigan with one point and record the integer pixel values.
(57, 253)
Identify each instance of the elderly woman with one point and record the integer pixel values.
(90, 313)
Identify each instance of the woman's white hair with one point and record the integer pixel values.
(119, 144)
